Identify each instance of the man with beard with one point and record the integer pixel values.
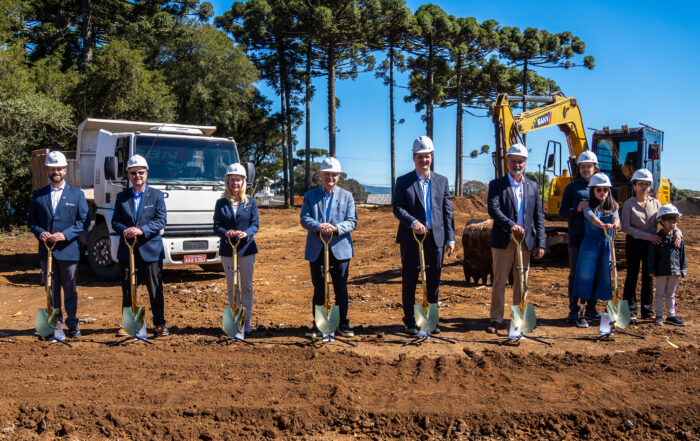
(58, 214)
(516, 212)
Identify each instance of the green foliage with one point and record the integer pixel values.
(482, 151)
(313, 153)
(678, 194)
(353, 186)
(475, 188)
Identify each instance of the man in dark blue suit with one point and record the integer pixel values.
(421, 203)
(58, 214)
(516, 211)
(139, 212)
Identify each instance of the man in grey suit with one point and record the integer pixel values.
(330, 210)
(516, 211)
(421, 202)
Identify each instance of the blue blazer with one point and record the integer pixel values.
(246, 219)
(503, 211)
(151, 219)
(408, 207)
(342, 216)
(72, 218)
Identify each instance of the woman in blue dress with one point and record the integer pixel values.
(592, 279)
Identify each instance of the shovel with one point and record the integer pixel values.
(522, 316)
(46, 321)
(618, 309)
(327, 317)
(426, 314)
(232, 318)
(132, 316)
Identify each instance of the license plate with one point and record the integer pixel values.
(195, 258)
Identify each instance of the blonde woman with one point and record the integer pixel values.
(236, 217)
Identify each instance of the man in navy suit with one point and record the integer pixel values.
(58, 214)
(516, 211)
(328, 210)
(422, 205)
(139, 212)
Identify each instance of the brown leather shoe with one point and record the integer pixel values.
(122, 333)
(162, 331)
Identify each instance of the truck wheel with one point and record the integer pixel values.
(100, 255)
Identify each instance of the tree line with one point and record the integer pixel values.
(174, 61)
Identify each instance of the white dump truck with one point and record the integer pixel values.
(185, 162)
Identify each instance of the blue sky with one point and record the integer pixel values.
(646, 70)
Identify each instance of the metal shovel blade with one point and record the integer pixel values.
(43, 322)
(230, 322)
(426, 323)
(524, 322)
(623, 314)
(58, 333)
(327, 323)
(131, 323)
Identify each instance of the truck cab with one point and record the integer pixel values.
(186, 163)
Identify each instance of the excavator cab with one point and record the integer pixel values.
(623, 151)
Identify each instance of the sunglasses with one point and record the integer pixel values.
(139, 173)
(602, 189)
(643, 184)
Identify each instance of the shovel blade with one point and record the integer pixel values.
(230, 322)
(624, 315)
(58, 333)
(42, 323)
(426, 322)
(524, 322)
(131, 323)
(327, 323)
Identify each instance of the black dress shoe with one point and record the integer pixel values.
(436, 330)
(411, 330)
(74, 333)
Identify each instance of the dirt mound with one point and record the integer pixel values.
(470, 205)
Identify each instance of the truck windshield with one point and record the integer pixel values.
(186, 160)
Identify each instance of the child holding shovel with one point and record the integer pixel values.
(592, 279)
(667, 263)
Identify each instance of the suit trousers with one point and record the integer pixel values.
(63, 277)
(410, 272)
(149, 274)
(666, 291)
(503, 261)
(637, 253)
(339, 276)
(245, 284)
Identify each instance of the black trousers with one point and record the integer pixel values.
(410, 272)
(339, 276)
(149, 274)
(637, 252)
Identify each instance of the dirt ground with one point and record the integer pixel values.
(180, 388)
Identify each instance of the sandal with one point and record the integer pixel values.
(493, 328)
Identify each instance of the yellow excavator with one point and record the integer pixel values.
(620, 152)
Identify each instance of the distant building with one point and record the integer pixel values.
(379, 199)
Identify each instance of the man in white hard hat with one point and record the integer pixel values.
(139, 212)
(58, 214)
(515, 208)
(330, 210)
(573, 201)
(421, 203)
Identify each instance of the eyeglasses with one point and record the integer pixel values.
(602, 189)
(139, 172)
(643, 183)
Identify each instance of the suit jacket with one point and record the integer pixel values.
(72, 217)
(504, 212)
(245, 219)
(408, 207)
(342, 216)
(152, 218)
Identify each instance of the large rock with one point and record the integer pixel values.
(477, 251)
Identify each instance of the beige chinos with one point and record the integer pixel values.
(503, 261)
(666, 290)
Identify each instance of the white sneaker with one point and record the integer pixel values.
(582, 323)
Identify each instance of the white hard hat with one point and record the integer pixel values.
(517, 149)
(330, 164)
(599, 180)
(55, 159)
(642, 175)
(668, 209)
(236, 169)
(423, 144)
(137, 161)
(587, 157)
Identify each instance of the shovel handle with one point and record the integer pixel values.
(234, 247)
(49, 271)
(521, 270)
(613, 262)
(326, 271)
(421, 258)
(132, 272)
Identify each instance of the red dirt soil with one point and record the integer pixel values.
(180, 388)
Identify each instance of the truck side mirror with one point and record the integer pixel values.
(654, 149)
(110, 167)
(250, 173)
(550, 160)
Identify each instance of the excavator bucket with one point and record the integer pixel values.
(619, 313)
(327, 323)
(426, 322)
(231, 323)
(45, 325)
(524, 322)
(133, 324)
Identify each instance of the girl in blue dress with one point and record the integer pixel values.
(592, 279)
